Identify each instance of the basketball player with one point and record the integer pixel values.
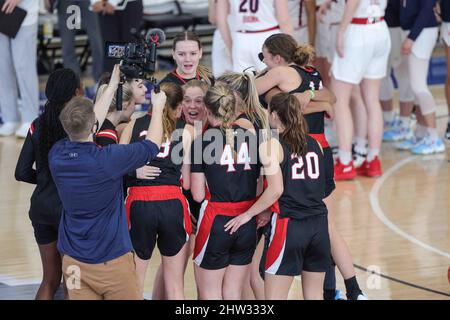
(220, 60)
(221, 254)
(443, 13)
(194, 114)
(299, 241)
(254, 21)
(362, 47)
(419, 35)
(156, 208)
(396, 129)
(303, 16)
(187, 52)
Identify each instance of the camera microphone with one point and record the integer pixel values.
(155, 36)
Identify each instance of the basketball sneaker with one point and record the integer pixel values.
(344, 172)
(362, 296)
(408, 143)
(398, 134)
(359, 156)
(371, 169)
(429, 146)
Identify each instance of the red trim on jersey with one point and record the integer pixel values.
(175, 73)
(320, 138)
(31, 128)
(278, 240)
(259, 31)
(229, 209)
(371, 20)
(158, 193)
(111, 134)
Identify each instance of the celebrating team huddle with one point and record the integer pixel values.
(229, 169)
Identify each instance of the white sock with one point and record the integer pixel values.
(420, 132)
(372, 154)
(432, 133)
(404, 122)
(360, 145)
(345, 157)
(388, 116)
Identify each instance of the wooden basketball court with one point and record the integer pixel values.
(398, 226)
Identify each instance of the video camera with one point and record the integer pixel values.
(137, 59)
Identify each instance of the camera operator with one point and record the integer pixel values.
(93, 234)
(117, 22)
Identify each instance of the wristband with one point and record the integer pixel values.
(312, 94)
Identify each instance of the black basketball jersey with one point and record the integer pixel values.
(107, 134)
(231, 177)
(304, 182)
(311, 80)
(168, 152)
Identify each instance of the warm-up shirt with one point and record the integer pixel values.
(415, 15)
(93, 226)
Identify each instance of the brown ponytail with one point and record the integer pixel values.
(303, 55)
(287, 47)
(289, 112)
(221, 102)
(174, 95)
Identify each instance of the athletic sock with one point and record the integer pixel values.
(372, 153)
(432, 133)
(388, 116)
(404, 122)
(329, 284)
(345, 157)
(352, 288)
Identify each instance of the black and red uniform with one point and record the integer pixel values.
(107, 134)
(299, 234)
(311, 80)
(157, 209)
(232, 183)
(176, 78)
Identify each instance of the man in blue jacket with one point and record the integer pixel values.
(98, 261)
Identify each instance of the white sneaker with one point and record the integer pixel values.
(7, 128)
(362, 296)
(23, 130)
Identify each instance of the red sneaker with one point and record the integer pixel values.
(344, 172)
(372, 168)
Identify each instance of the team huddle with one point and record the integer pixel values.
(230, 169)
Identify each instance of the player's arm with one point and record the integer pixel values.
(310, 6)
(271, 155)
(102, 104)
(188, 137)
(212, 11)
(198, 183)
(269, 80)
(350, 8)
(223, 6)
(283, 17)
(320, 106)
(125, 138)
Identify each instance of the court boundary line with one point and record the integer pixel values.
(378, 212)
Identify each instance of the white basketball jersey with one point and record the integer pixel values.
(371, 8)
(253, 15)
(297, 11)
(337, 11)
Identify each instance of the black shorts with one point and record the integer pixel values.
(45, 233)
(298, 245)
(329, 171)
(159, 222)
(222, 248)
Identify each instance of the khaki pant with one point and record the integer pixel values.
(112, 280)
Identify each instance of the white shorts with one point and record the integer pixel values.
(445, 33)
(220, 60)
(246, 47)
(322, 37)
(301, 35)
(425, 42)
(366, 53)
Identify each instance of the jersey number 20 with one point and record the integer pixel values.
(312, 167)
(252, 5)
